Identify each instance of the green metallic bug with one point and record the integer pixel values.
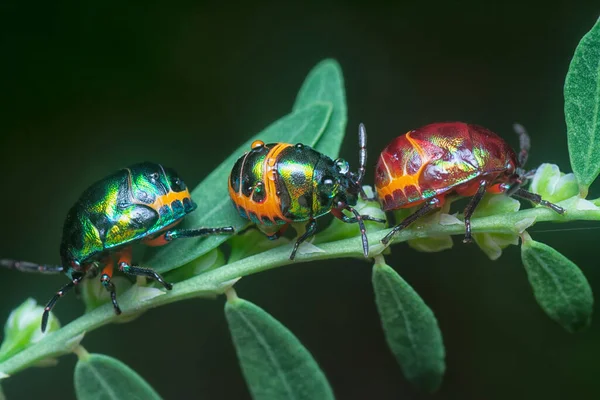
(143, 202)
(275, 184)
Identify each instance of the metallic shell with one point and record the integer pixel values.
(131, 204)
(278, 183)
(437, 159)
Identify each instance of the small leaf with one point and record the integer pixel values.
(494, 204)
(553, 185)
(23, 328)
(274, 362)
(251, 242)
(559, 286)
(432, 244)
(410, 328)
(99, 377)
(325, 82)
(212, 196)
(582, 109)
(211, 260)
(493, 243)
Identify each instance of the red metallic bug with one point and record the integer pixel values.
(425, 165)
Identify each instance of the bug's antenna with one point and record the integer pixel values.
(524, 143)
(362, 153)
(26, 266)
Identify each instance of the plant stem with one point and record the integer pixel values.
(217, 281)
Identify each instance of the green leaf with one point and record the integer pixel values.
(99, 377)
(325, 82)
(212, 196)
(22, 329)
(274, 362)
(251, 242)
(559, 286)
(410, 328)
(582, 109)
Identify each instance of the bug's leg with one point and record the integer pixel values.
(421, 211)
(311, 228)
(537, 199)
(126, 267)
(141, 271)
(352, 220)
(357, 219)
(171, 235)
(26, 266)
(55, 298)
(470, 209)
(105, 279)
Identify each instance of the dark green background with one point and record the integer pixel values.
(86, 88)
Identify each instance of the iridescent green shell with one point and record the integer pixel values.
(129, 205)
(279, 183)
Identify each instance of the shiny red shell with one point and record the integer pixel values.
(440, 159)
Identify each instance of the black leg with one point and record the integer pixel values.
(26, 266)
(537, 199)
(311, 228)
(55, 298)
(108, 285)
(357, 219)
(424, 209)
(352, 220)
(470, 209)
(363, 232)
(140, 271)
(188, 233)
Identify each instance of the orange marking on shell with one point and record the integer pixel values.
(164, 200)
(257, 143)
(405, 180)
(167, 199)
(270, 207)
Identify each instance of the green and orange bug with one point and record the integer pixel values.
(425, 165)
(276, 184)
(143, 202)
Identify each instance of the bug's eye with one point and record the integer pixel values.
(177, 184)
(328, 181)
(342, 166)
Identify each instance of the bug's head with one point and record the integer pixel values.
(74, 269)
(346, 189)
